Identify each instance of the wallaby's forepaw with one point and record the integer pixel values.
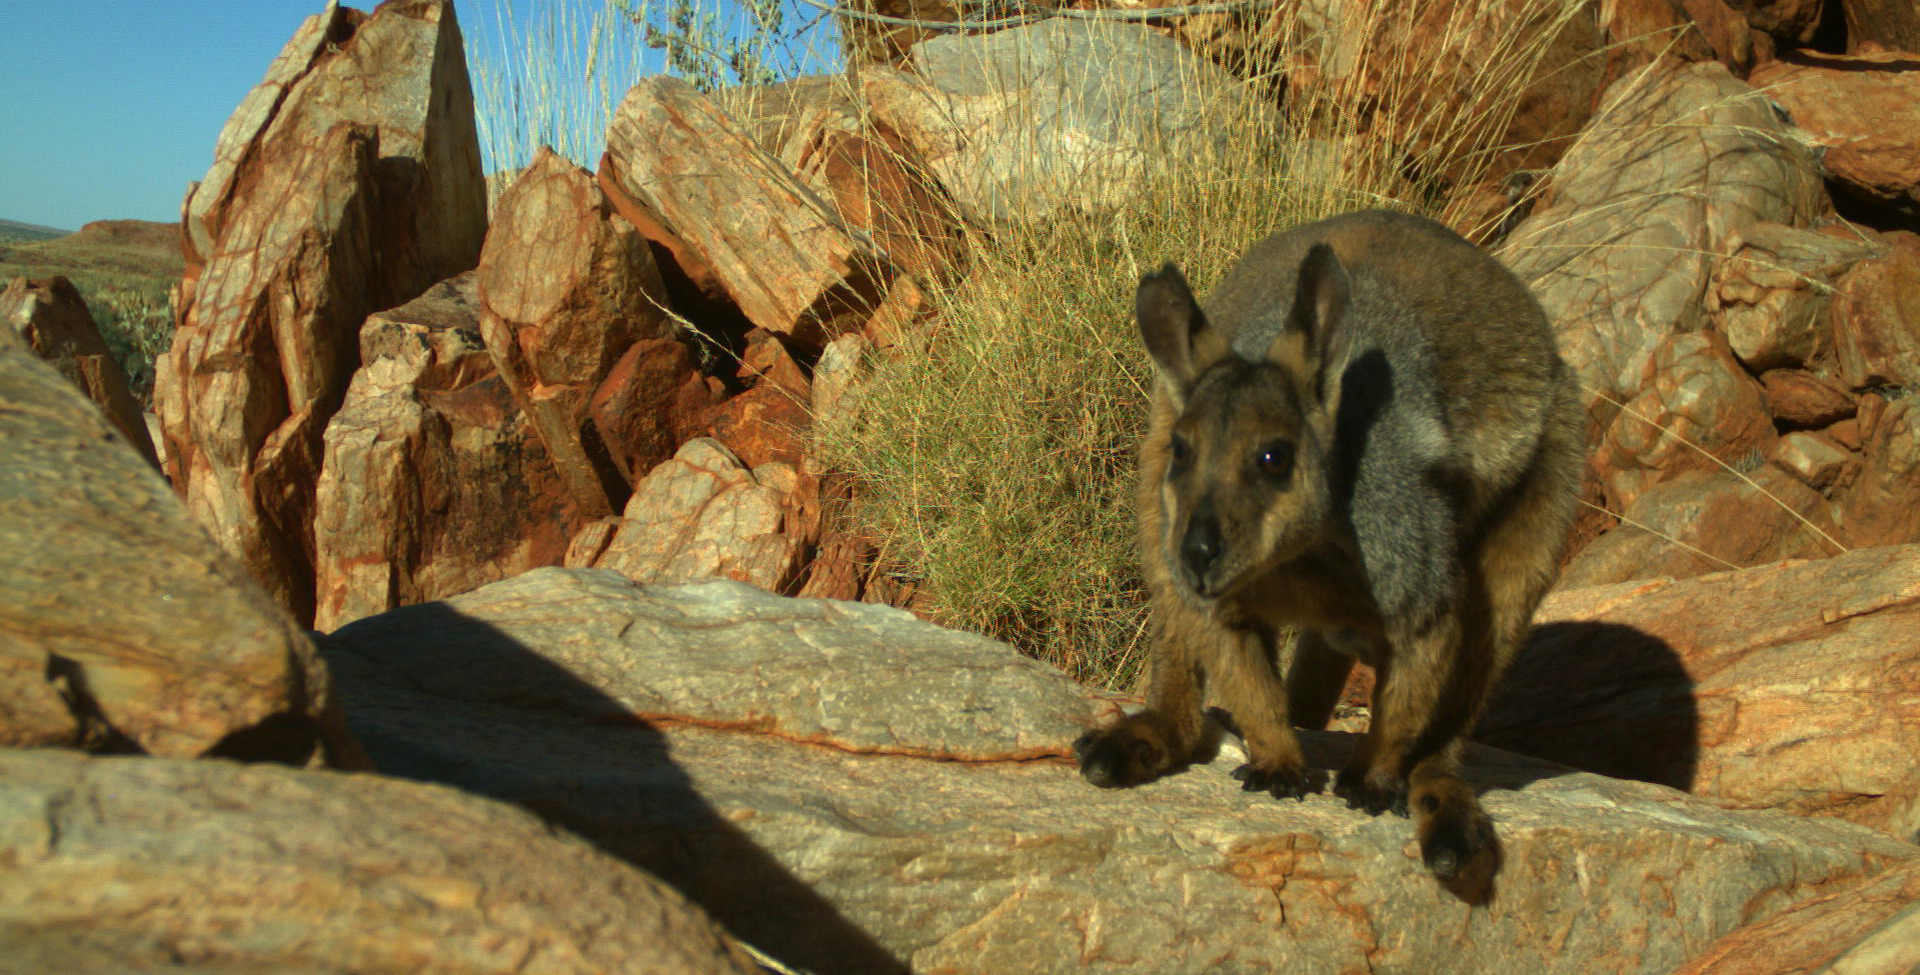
(1285, 782)
(1373, 792)
(1123, 755)
(1452, 828)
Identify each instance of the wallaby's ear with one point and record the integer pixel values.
(1173, 326)
(1314, 324)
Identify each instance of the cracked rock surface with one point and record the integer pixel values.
(138, 864)
(852, 790)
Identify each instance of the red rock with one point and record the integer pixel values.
(56, 324)
(702, 514)
(347, 181)
(1792, 21)
(770, 420)
(1875, 318)
(1800, 400)
(736, 221)
(1695, 398)
(1703, 521)
(652, 400)
(1687, 30)
(1868, 927)
(1887, 24)
(1819, 461)
(434, 481)
(566, 288)
(1768, 294)
(1865, 111)
(1880, 509)
(1789, 686)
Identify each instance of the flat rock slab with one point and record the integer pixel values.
(725, 654)
(759, 792)
(136, 864)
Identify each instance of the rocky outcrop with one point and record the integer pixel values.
(1864, 113)
(852, 790)
(119, 864)
(53, 319)
(567, 287)
(1696, 406)
(1788, 686)
(347, 181)
(1886, 24)
(1769, 292)
(1620, 249)
(433, 481)
(122, 626)
(736, 222)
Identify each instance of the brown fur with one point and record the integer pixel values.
(1381, 448)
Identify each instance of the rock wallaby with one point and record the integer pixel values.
(1367, 438)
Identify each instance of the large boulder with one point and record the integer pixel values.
(122, 626)
(1788, 686)
(433, 481)
(567, 287)
(1016, 128)
(347, 181)
(121, 865)
(1875, 321)
(1622, 246)
(853, 790)
(53, 319)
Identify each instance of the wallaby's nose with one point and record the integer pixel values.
(1200, 547)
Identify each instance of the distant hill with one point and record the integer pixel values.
(123, 268)
(15, 232)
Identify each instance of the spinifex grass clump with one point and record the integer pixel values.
(994, 453)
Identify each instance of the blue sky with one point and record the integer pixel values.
(110, 107)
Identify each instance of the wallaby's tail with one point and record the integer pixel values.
(1456, 836)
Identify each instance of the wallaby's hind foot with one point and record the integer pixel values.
(1139, 748)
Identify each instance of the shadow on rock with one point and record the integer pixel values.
(1600, 697)
(441, 697)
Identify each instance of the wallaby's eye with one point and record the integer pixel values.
(1276, 460)
(1180, 454)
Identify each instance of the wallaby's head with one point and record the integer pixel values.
(1248, 469)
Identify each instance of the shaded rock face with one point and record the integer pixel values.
(122, 626)
(1875, 318)
(774, 759)
(1016, 128)
(567, 287)
(348, 180)
(53, 319)
(303, 872)
(433, 481)
(1792, 686)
